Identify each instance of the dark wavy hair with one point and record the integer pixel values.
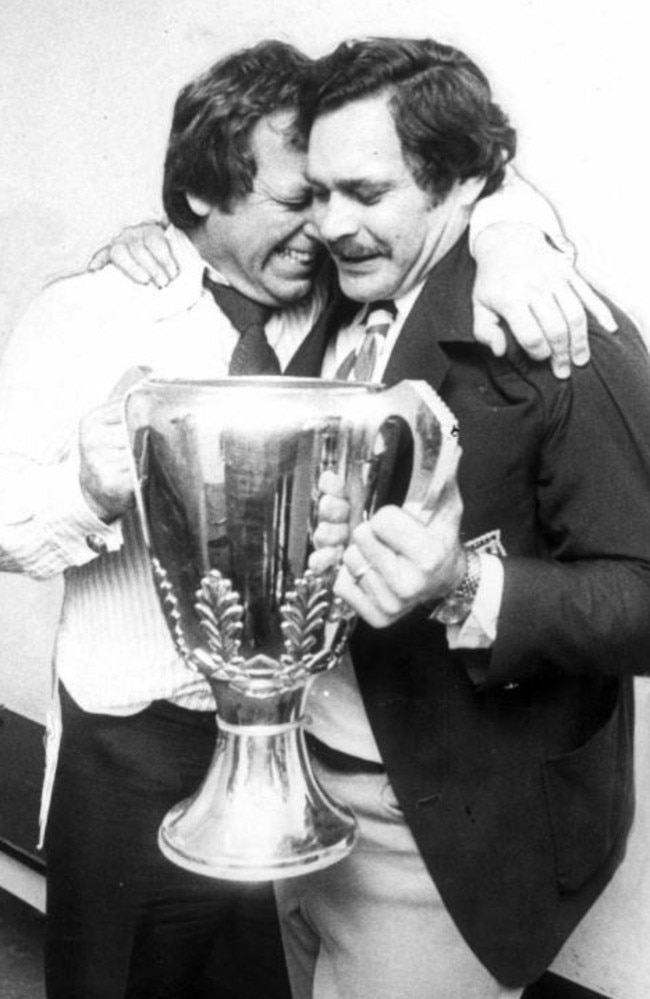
(449, 126)
(208, 152)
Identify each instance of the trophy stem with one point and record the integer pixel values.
(259, 813)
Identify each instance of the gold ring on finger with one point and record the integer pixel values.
(360, 572)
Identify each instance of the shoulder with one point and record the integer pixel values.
(92, 307)
(614, 385)
(98, 293)
(77, 322)
(624, 350)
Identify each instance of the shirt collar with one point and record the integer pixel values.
(186, 290)
(405, 302)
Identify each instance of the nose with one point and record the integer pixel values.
(310, 229)
(335, 218)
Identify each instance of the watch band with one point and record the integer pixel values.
(457, 605)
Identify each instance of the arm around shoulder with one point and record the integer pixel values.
(585, 606)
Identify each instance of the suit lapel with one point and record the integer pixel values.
(442, 313)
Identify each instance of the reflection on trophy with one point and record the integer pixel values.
(227, 477)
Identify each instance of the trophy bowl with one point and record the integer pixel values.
(227, 485)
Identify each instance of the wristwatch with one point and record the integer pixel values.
(457, 605)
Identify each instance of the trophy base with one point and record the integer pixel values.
(265, 868)
(259, 814)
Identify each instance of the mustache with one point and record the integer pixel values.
(351, 249)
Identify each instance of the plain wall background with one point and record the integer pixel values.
(85, 98)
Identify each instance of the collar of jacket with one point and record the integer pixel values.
(442, 313)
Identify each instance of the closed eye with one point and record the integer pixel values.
(298, 204)
(366, 194)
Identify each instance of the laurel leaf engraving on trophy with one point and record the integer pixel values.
(221, 616)
(303, 616)
(170, 610)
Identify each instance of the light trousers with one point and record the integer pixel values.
(374, 926)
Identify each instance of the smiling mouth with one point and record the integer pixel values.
(304, 258)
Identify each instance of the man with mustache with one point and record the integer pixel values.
(137, 725)
(482, 729)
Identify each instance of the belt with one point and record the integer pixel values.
(342, 763)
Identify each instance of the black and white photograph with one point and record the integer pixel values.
(324, 500)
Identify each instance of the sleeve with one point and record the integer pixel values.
(46, 384)
(518, 201)
(585, 606)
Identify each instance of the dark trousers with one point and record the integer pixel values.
(123, 922)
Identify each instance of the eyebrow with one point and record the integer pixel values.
(293, 195)
(366, 184)
(353, 185)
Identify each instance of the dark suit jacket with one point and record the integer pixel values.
(513, 766)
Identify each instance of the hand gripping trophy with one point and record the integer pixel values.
(227, 477)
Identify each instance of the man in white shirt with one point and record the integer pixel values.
(138, 725)
(484, 735)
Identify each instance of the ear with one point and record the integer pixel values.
(198, 205)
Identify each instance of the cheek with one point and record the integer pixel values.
(408, 242)
(398, 230)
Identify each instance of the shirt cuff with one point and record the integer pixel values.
(77, 531)
(517, 201)
(479, 629)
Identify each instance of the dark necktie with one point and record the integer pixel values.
(253, 355)
(360, 364)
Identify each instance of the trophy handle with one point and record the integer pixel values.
(434, 441)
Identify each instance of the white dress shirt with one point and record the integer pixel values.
(337, 715)
(113, 650)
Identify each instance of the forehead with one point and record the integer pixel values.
(278, 161)
(356, 141)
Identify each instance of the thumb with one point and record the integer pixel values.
(100, 259)
(130, 378)
(488, 330)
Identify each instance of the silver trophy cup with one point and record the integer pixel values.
(227, 484)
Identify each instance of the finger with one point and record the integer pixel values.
(152, 250)
(127, 380)
(346, 588)
(331, 483)
(393, 578)
(527, 332)
(138, 264)
(327, 534)
(325, 558)
(488, 330)
(593, 303)
(107, 415)
(373, 546)
(104, 426)
(99, 259)
(556, 331)
(393, 540)
(333, 509)
(122, 258)
(576, 320)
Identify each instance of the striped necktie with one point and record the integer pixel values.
(253, 354)
(360, 364)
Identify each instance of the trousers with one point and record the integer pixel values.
(123, 922)
(373, 926)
